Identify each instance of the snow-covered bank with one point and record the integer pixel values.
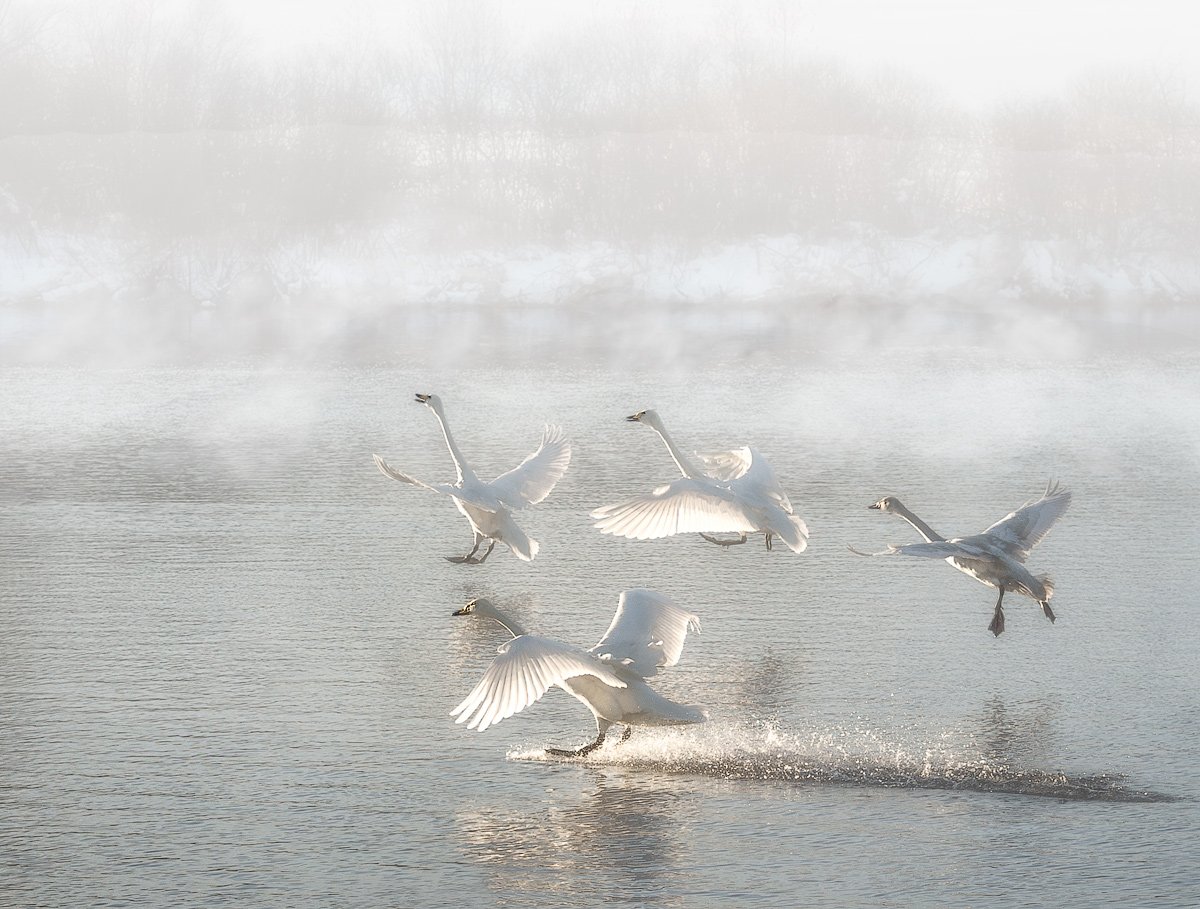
(71, 298)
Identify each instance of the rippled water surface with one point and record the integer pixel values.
(229, 657)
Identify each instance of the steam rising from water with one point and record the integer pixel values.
(841, 756)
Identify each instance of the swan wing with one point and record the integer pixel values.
(759, 481)
(533, 479)
(524, 670)
(1020, 531)
(481, 502)
(685, 505)
(389, 471)
(647, 632)
(965, 548)
(726, 466)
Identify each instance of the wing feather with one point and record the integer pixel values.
(532, 480)
(524, 670)
(942, 549)
(726, 466)
(646, 633)
(759, 480)
(685, 505)
(1019, 532)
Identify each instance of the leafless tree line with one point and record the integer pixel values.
(173, 128)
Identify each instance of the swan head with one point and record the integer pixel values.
(649, 417)
(484, 607)
(888, 505)
(478, 606)
(433, 402)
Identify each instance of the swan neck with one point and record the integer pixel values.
(511, 625)
(460, 462)
(930, 535)
(682, 461)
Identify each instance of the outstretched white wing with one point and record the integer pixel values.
(685, 505)
(965, 548)
(533, 479)
(523, 671)
(1020, 531)
(647, 632)
(389, 471)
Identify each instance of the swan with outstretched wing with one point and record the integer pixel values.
(646, 634)
(734, 492)
(488, 506)
(996, 557)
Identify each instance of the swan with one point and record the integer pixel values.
(646, 634)
(995, 557)
(735, 491)
(489, 506)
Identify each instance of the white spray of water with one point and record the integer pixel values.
(842, 755)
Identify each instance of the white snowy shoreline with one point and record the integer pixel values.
(71, 297)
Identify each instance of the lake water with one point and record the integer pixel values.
(229, 657)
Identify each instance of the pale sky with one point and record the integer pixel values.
(977, 51)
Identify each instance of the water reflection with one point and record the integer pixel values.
(570, 848)
(764, 683)
(1020, 736)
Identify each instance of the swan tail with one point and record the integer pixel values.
(1048, 583)
(523, 546)
(792, 530)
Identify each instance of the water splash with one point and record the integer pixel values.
(843, 756)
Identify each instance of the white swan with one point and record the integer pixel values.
(995, 557)
(489, 506)
(736, 491)
(646, 634)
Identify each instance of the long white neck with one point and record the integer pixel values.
(682, 461)
(513, 626)
(930, 535)
(460, 463)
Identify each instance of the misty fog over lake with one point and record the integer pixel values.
(940, 251)
(445, 174)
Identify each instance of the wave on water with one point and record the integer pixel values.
(841, 757)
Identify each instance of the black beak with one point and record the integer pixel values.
(421, 399)
(876, 506)
(462, 611)
(636, 418)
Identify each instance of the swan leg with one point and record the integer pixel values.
(741, 539)
(768, 542)
(578, 752)
(487, 552)
(997, 625)
(469, 557)
(625, 735)
(1046, 610)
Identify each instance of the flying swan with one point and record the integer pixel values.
(735, 491)
(646, 634)
(489, 506)
(995, 557)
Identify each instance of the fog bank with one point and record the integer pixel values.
(446, 176)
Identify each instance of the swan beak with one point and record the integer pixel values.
(876, 506)
(422, 399)
(635, 418)
(462, 611)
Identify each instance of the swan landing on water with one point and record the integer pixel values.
(646, 634)
(995, 557)
(735, 491)
(489, 506)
